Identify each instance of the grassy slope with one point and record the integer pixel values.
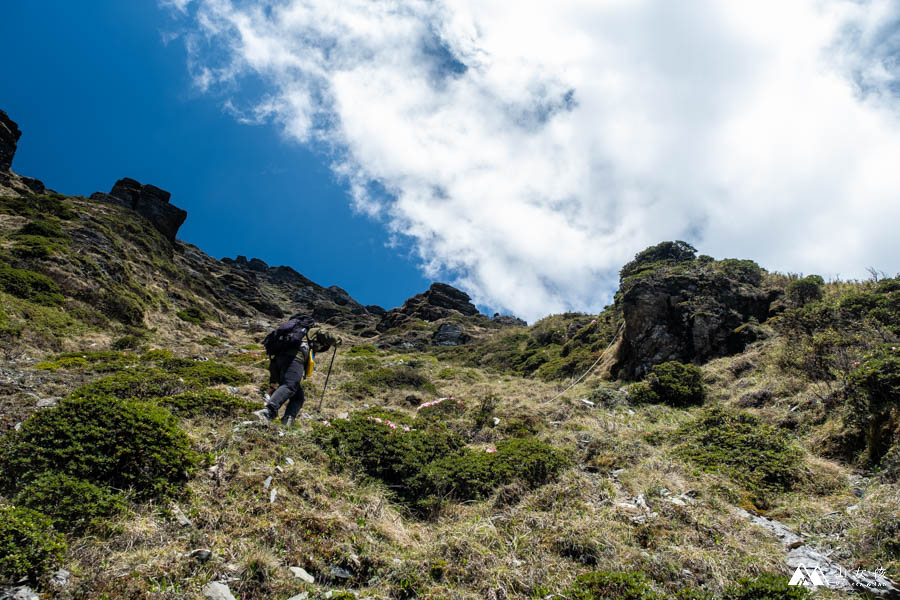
(518, 543)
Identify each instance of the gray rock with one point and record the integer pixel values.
(217, 591)
(289, 461)
(180, 516)
(149, 201)
(201, 554)
(268, 482)
(450, 334)
(302, 596)
(46, 402)
(340, 572)
(60, 578)
(300, 573)
(22, 592)
(508, 320)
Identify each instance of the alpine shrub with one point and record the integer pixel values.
(664, 253)
(676, 384)
(103, 440)
(874, 391)
(205, 373)
(135, 383)
(400, 377)
(207, 402)
(473, 475)
(765, 587)
(29, 285)
(612, 585)
(192, 315)
(72, 504)
(805, 290)
(121, 305)
(29, 546)
(362, 350)
(757, 455)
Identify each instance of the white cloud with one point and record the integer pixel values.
(530, 149)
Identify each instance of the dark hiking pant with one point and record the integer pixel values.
(287, 371)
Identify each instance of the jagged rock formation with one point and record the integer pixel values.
(440, 301)
(689, 310)
(10, 183)
(450, 334)
(508, 320)
(149, 201)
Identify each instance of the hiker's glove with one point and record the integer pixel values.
(323, 340)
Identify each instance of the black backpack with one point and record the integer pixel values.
(288, 338)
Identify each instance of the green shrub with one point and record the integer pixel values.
(99, 361)
(43, 228)
(399, 377)
(758, 456)
(362, 350)
(38, 206)
(207, 402)
(360, 365)
(28, 544)
(123, 306)
(29, 285)
(765, 587)
(473, 475)
(642, 393)
(612, 585)
(805, 290)
(664, 253)
(205, 373)
(192, 314)
(874, 402)
(676, 384)
(210, 340)
(745, 271)
(72, 504)
(140, 383)
(127, 342)
(441, 409)
(36, 246)
(103, 440)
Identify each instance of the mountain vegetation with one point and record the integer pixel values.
(650, 451)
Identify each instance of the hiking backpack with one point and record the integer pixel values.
(288, 337)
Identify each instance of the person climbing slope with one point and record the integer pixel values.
(291, 353)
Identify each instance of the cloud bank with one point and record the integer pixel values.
(528, 150)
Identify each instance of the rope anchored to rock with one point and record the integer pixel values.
(591, 368)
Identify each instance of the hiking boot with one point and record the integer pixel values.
(288, 421)
(264, 415)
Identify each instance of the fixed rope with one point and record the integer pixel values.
(591, 368)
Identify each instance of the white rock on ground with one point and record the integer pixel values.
(301, 573)
(217, 591)
(302, 596)
(289, 461)
(61, 578)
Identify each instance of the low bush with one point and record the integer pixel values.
(210, 340)
(362, 350)
(398, 377)
(37, 246)
(874, 402)
(207, 402)
(756, 455)
(38, 206)
(361, 365)
(205, 373)
(122, 305)
(29, 546)
(192, 314)
(72, 504)
(100, 361)
(803, 291)
(29, 285)
(474, 474)
(127, 342)
(610, 585)
(676, 384)
(104, 440)
(142, 383)
(765, 587)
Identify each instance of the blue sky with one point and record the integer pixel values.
(99, 96)
(522, 155)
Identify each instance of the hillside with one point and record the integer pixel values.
(715, 427)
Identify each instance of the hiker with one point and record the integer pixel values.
(290, 363)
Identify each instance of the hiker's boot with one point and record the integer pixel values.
(288, 421)
(264, 415)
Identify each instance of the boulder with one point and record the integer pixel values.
(149, 201)
(9, 139)
(508, 320)
(450, 334)
(217, 591)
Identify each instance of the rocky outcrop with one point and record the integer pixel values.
(450, 334)
(508, 320)
(440, 301)
(10, 183)
(149, 201)
(690, 313)
(9, 139)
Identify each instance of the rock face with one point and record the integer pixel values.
(440, 301)
(449, 334)
(690, 313)
(9, 139)
(149, 201)
(508, 320)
